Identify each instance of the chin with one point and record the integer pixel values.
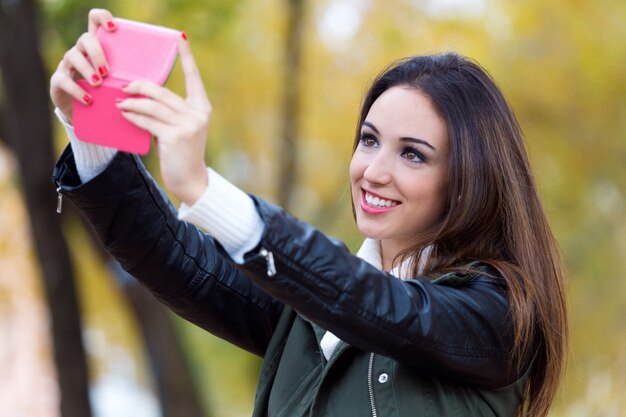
(371, 233)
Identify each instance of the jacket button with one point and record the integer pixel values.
(382, 378)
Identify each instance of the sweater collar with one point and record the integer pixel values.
(370, 252)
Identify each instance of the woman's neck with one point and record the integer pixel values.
(389, 251)
(388, 254)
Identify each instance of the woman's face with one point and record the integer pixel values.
(399, 170)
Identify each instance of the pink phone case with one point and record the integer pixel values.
(135, 51)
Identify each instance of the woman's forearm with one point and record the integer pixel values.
(224, 211)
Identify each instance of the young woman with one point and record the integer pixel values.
(454, 305)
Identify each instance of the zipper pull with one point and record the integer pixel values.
(269, 258)
(59, 199)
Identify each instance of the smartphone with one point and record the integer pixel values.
(135, 51)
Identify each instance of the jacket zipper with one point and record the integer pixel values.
(370, 384)
(59, 171)
(59, 198)
(271, 271)
(269, 259)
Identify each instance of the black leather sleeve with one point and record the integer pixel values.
(456, 326)
(182, 266)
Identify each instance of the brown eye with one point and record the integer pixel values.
(413, 155)
(368, 140)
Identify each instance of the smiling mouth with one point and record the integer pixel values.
(374, 204)
(378, 202)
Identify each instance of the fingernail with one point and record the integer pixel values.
(111, 24)
(119, 100)
(103, 70)
(184, 35)
(87, 99)
(125, 86)
(95, 78)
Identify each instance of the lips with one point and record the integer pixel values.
(375, 204)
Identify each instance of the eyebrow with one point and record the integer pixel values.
(404, 138)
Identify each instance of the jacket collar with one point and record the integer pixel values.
(330, 345)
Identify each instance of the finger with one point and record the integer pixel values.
(90, 46)
(155, 127)
(150, 108)
(74, 60)
(101, 17)
(158, 93)
(63, 82)
(194, 86)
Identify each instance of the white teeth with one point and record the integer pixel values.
(378, 202)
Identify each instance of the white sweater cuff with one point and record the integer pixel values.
(228, 214)
(224, 211)
(90, 159)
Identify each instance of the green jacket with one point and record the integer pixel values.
(296, 380)
(441, 347)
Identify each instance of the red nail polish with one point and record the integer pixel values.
(87, 99)
(184, 35)
(95, 78)
(102, 70)
(111, 24)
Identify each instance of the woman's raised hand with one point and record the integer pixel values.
(76, 64)
(179, 125)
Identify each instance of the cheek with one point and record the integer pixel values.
(440, 201)
(432, 197)
(356, 168)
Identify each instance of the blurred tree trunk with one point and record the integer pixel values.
(28, 131)
(291, 103)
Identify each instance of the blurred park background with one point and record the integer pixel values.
(285, 78)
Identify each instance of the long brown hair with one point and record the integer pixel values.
(493, 211)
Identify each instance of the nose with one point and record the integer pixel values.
(378, 170)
